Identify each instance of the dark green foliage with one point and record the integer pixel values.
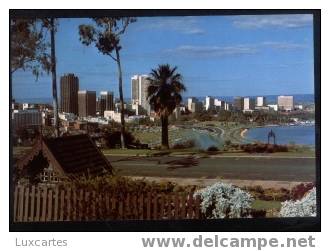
(112, 139)
(164, 94)
(122, 185)
(212, 149)
(258, 213)
(28, 45)
(263, 148)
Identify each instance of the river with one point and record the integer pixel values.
(302, 135)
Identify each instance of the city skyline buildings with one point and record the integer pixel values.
(86, 103)
(106, 101)
(69, 87)
(139, 91)
(282, 55)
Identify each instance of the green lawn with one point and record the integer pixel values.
(265, 204)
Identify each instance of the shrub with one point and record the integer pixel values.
(258, 213)
(300, 190)
(185, 144)
(212, 149)
(112, 139)
(300, 208)
(258, 192)
(122, 185)
(224, 201)
(263, 148)
(227, 142)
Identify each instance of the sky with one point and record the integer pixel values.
(216, 55)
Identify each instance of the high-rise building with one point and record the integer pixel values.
(196, 106)
(261, 101)
(26, 118)
(86, 103)
(209, 103)
(190, 101)
(140, 84)
(285, 103)
(238, 103)
(135, 89)
(106, 102)
(69, 85)
(220, 104)
(249, 104)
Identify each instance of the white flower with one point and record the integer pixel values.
(300, 208)
(223, 200)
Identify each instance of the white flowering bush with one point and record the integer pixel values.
(300, 208)
(223, 200)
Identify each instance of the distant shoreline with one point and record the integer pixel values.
(243, 132)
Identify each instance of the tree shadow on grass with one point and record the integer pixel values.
(182, 163)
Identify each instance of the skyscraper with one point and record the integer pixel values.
(238, 103)
(69, 85)
(209, 103)
(190, 102)
(106, 101)
(285, 103)
(86, 103)
(261, 101)
(140, 86)
(135, 89)
(249, 104)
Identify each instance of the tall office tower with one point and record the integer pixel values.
(285, 103)
(143, 98)
(261, 101)
(86, 103)
(106, 102)
(238, 103)
(135, 89)
(69, 85)
(209, 103)
(140, 85)
(249, 104)
(190, 101)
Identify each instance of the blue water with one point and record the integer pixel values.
(302, 135)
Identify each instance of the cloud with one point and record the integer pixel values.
(284, 45)
(273, 21)
(213, 51)
(185, 25)
(233, 50)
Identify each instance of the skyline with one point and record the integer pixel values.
(226, 61)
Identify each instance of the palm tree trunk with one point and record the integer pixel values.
(164, 121)
(121, 97)
(53, 70)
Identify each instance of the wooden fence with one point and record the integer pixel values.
(32, 203)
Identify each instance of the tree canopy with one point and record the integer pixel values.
(29, 47)
(164, 91)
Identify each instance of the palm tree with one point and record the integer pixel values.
(164, 94)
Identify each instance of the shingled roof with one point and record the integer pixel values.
(72, 156)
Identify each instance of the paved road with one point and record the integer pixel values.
(228, 167)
